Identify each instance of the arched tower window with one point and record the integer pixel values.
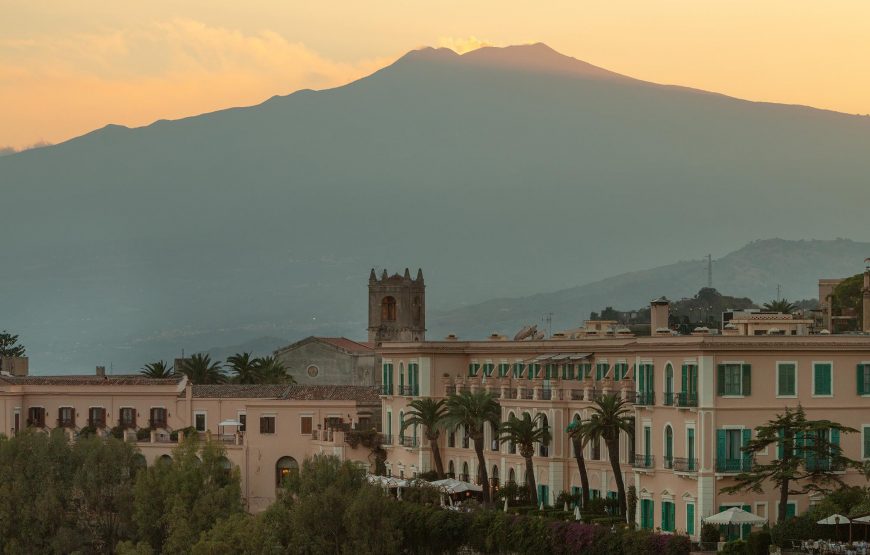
(418, 309)
(388, 309)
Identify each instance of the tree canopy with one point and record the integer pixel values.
(9, 345)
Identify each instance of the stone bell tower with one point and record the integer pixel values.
(397, 307)
(865, 294)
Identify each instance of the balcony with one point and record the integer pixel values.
(577, 395)
(410, 390)
(527, 393)
(66, 423)
(155, 424)
(733, 466)
(643, 461)
(546, 394)
(645, 398)
(668, 463)
(687, 400)
(495, 392)
(387, 389)
(512, 393)
(685, 465)
(669, 399)
(386, 439)
(409, 442)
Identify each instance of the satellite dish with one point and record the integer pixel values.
(526, 332)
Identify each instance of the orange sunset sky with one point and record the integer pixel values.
(69, 67)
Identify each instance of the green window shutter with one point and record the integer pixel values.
(822, 375)
(747, 379)
(650, 381)
(860, 375)
(684, 379)
(866, 453)
(747, 456)
(720, 380)
(720, 447)
(690, 519)
(673, 518)
(693, 371)
(642, 379)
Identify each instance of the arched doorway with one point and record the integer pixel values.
(164, 459)
(512, 476)
(283, 469)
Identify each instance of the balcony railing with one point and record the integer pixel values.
(577, 395)
(97, 423)
(495, 392)
(66, 423)
(668, 463)
(546, 394)
(386, 439)
(669, 399)
(823, 464)
(733, 466)
(685, 399)
(406, 441)
(527, 393)
(643, 461)
(152, 423)
(387, 389)
(410, 390)
(685, 465)
(645, 398)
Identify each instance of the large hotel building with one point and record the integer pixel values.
(696, 400)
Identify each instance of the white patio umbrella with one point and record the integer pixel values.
(837, 519)
(505, 504)
(735, 516)
(577, 512)
(451, 485)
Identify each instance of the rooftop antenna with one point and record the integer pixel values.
(547, 318)
(710, 271)
(778, 291)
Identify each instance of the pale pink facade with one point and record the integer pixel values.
(732, 385)
(283, 424)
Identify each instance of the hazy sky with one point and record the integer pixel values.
(70, 67)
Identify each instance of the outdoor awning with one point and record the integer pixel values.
(734, 515)
(835, 519)
(451, 485)
(579, 356)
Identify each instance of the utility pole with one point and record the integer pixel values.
(709, 270)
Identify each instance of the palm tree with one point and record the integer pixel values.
(782, 305)
(273, 370)
(200, 369)
(157, 369)
(525, 432)
(610, 416)
(473, 411)
(246, 369)
(429, 413)
(579, 439)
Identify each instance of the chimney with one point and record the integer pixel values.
(101, 371)
(659, 310)
(15, 366)
(865, 327)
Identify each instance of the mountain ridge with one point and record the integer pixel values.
(260, 221)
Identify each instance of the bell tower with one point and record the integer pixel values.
(397, 307)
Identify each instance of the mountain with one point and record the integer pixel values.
(501, 172)
(753, 271)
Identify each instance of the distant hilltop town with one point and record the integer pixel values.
(695, 396)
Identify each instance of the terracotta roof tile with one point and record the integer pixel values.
(131, 379)
(238, 391)
(348, 344)
(359, 393)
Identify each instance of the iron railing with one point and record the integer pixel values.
(682, 464)
(643, 461)
(645, 398)
(686, 399)
(733, 466)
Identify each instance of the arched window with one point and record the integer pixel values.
(418, 309)
(493, 478)
(451, 469)
(545, 447)
(138, 463)
(465, 477)
(669, 384)
(669, 447)
(388, 309)
(283, 469)
(512, 476)
(164, 459)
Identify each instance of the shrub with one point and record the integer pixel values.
(88, 431)
(801, 527)
(758, 543)
(735, 547)
(117, 432)
(709, 533)
(143, 434)
(188, 432)
(429, 475)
